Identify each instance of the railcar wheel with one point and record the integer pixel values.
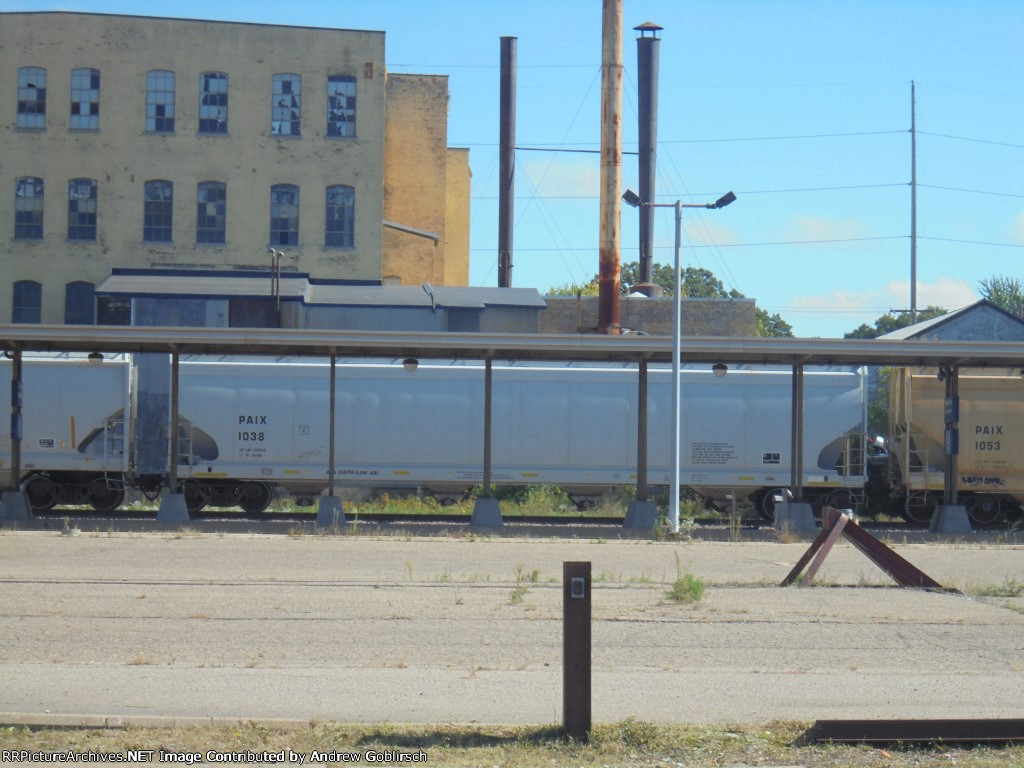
(255, 497)
(197, 495)
(766, 503)
(985, 509)
(919, 507)
(841, 499)
(42, 493)
(102, 496)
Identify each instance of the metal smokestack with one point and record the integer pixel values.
(611, 165)
(648, 46)
(507, 161)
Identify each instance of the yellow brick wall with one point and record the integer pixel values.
(121, 156)
(425, 185)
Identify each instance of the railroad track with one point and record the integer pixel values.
(78, 514)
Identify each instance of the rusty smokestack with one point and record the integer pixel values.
(611, 165)
(507, 161)
(647, 54)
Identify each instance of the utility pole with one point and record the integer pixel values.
(913, 205)
(611, 166)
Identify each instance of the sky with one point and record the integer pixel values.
(802, 108)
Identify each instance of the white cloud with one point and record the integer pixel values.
(1018, 228)
(948, 292)
(559, 177)
(826, 228)
(707, 231)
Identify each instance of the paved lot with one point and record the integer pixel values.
(406, 629)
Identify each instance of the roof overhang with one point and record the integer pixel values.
(508, 346)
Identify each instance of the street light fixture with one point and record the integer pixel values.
(632, 198)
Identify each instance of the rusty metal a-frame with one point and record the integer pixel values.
(836, 524)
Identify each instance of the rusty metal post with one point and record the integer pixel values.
(576, 650)
(647, 54)
(507, 161)
(611, 166)
(952, 436)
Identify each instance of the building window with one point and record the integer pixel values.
(31, 97)
(211, 212)
(340, 228)
(79, 303)
(85, 99)
(157, 212)
(341, 105)
(28, 208)
(284, 214)
(82, 209)
(28, 302)
(160, 101)
(113, 310)
(213, 102)
(286, 107)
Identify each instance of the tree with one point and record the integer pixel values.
(772, 325)
(1006, 293)
(888, 323)
(572, 289)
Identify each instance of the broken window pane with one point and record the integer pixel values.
(213, 102)
(160, 101)
(286, 106)
(31, 97)
(341, 105)
(341, 216)
(82, 209)
(85, 100)
(284, 214)
(211, 212)
(28, 208)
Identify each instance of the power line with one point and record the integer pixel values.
(729, 245)
(967, 138)
(971, 242)
(975, 191)
(738, 192)
(782, 138)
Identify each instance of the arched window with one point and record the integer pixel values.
(341, 105)
(284, 214)
(213, 102)
(160, 101)
(211, 212)
(79, 303)
(339, 230)
(28, 302)
(82, 194)
(28, 208)
(286, 106)
(158, 210)
(85, 99)
(31, 97)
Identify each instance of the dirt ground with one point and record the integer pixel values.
(152, 627)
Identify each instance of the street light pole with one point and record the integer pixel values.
(631, 198)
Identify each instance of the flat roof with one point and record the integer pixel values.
(509, 346)
(300, 287)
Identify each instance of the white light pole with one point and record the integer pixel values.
(632, 198)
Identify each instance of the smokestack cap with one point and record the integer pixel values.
(648, 26)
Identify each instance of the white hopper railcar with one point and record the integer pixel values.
(251, 428)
